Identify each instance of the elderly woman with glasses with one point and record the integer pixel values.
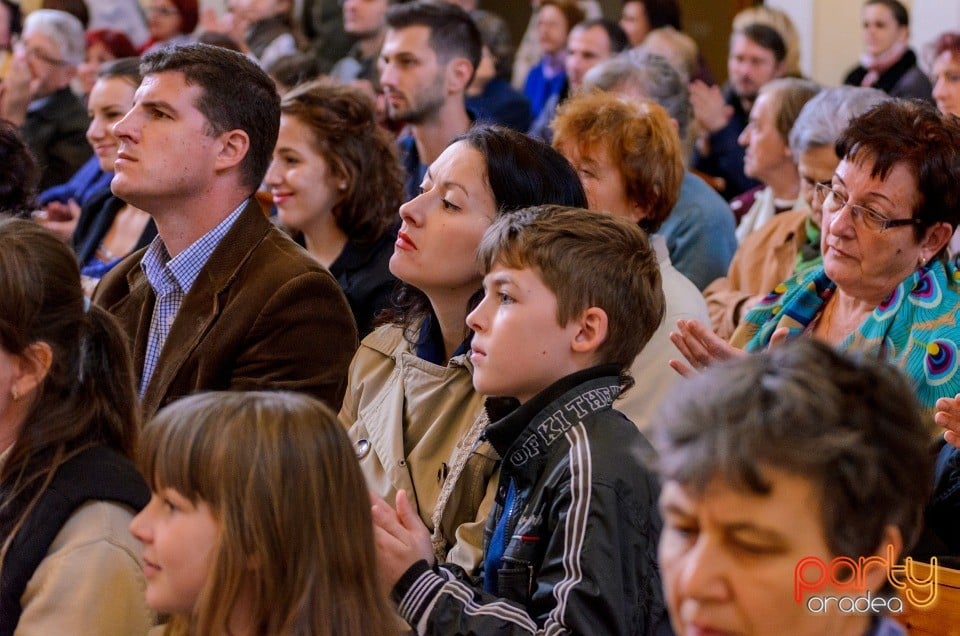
(884, 286)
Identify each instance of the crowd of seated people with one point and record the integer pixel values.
(358, 352)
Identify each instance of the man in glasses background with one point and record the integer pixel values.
(36, 94)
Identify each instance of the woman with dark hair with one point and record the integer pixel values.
(887, 62)
(336, 181)
(410, 405)
(19, 174)
(68, 423)
(639, 17)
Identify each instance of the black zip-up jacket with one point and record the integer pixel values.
(583, 528)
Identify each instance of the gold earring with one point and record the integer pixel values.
(15, 394)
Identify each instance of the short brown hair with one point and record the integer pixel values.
(913, 133)
(587, 259)
(357, 150)
(641, 139)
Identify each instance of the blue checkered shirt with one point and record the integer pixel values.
(171, 279)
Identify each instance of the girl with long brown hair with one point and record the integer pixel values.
(259, 521)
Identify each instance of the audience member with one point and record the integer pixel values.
(609, 140)
(429, 56)
(410, 402)
(170, 22)
(103, 45)
(885, 286)
(676, 47)
(336, 181)
(269, 534)
(221, 299)
(887, 61)
(589, 43)
(366, 22)
(699, 230)
(107, 229)
(19, 174)
(570, 298)
(757, 55)
(37, 95)
(490, 97)
(768, 158)
(945, 70)
(529, 52)
(555, 19)
(789, 243)
(68, 422)
(793, 468)
(779, 21)
(639, 17)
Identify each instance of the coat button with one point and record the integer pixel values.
(363, 448)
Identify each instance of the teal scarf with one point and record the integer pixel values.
(914, 328)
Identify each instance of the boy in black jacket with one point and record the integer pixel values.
(570, 298)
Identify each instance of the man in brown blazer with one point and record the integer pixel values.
(221, 299)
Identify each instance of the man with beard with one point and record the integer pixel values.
(757, 55)
(426, 64)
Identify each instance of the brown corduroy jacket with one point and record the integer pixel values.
(262, 315)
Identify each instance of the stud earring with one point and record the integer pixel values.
(343, 185)
(14, 394)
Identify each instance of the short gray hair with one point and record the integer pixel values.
(64, 29)
(825, 116)
(652, 75)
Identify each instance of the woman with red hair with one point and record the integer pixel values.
(103, 45)
(170, 22)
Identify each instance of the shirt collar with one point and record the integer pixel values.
(164, 272)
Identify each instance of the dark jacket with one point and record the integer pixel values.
(725, 158)
(95, 221)
(262, 314)
(904, 79)
(582, 526)
(55, 129)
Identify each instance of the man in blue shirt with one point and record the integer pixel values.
(426, 64)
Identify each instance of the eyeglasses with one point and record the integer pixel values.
(37, 54)
(834, 201)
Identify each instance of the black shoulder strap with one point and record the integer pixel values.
(95, 474)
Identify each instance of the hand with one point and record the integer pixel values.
(59, 218)
(400, 536)
(700, 346)
(947, 415)
(710, 110)
(19, 86)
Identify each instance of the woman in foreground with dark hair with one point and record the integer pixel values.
(410, 406)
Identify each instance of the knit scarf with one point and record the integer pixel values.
(876, 65)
